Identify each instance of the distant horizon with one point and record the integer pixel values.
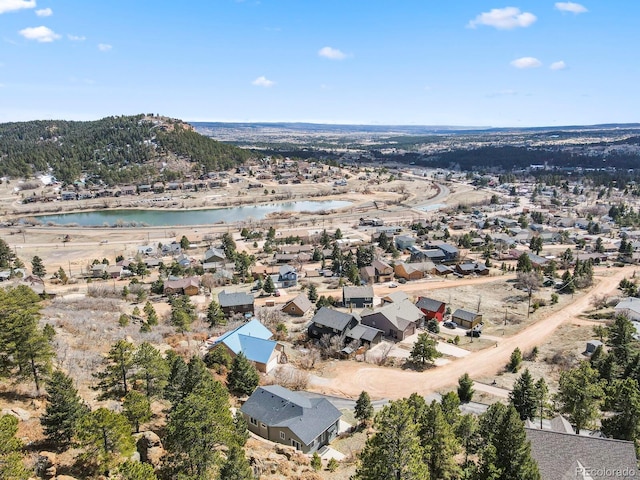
(339, 124)
(465, 63)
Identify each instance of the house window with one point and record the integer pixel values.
(296, 444)
(253, 421)
(282, 436)
(263, 425)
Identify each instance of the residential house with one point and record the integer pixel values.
(451, 253)
(289, 418)
(363, 335)
(395, 297)
(182, 286)
(398, 320)
(232, 303)
(299, 306)
(253, 339)
(171, 248)
(116, 271)
(472, 268)
(414, 271)
(561, 455)
(432, 308)
(404, 241)
(434, 255)
(357, 297)
(287, 277)
(383, 271)
(146, 249)
(629, 307)
(214, 255)
(465, 318)
(99, 270)
(328, 321)
(368, 274)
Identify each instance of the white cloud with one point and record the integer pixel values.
(76, 38)
(44, 12)
(13, 5)
(331, 53)
(559, 65)
(571, 7)
(526, 62)
(263, 81)
(39, 34)
(503, 18)
(104, 47)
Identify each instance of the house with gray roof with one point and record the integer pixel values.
(328, 321)
(232, 303)
(398, 320)
(357, 297)
(289, 418)
(465, 318)
(564, 456)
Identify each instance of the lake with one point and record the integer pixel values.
(163, 218)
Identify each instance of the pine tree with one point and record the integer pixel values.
(524, 263)
(243, 377)
(312, 293)
(63, 411)
(450, 403)
(136, 408)
(465, 388)
(236, 466)
(106, 438)
(269, 286)
(118, 369)
(439, 444)
(507, 454)
(624, 401)
(523, 396)
(197, 426)
(37, 267)
(177, 373)
(515, 360)
(363, 409)
(34, 353)
(620, 337)
(424, 350)
(150, 312)
(11, 465)
(195, 375)
(394, 452)
(215, 316)
(131, 470)
(579, 395)
(316, 462)
(151, 370)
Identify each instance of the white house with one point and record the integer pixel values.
(629, 307)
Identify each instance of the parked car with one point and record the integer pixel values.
(450, 324)
(393, 285)
(473, 333)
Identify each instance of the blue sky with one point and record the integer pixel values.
(423, 62)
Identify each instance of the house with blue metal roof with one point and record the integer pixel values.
(253, 339)
(287, 417)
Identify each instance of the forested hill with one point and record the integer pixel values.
(113, 150)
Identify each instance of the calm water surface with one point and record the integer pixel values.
(161, 218)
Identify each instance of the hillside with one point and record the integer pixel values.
(113, 150)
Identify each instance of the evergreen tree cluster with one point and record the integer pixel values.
(113, 150)
(416, 440)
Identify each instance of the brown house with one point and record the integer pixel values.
(182, 286)
(398, 320)
(298, 306)
(465, 318)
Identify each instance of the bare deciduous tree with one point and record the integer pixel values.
(530, 282)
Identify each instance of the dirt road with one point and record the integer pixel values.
(350, 378)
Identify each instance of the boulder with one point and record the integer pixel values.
(17, 412)
(149, 447)
(286, 450)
